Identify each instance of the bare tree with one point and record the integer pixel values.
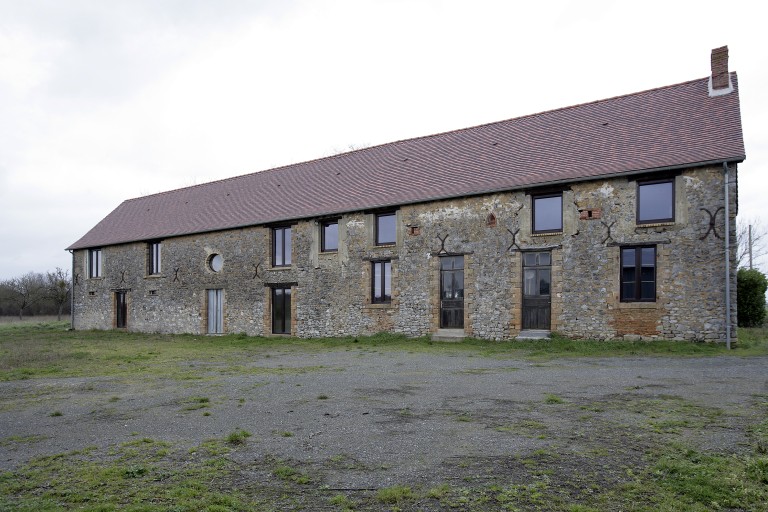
(25, 291)
(759, 241)
(58, 288)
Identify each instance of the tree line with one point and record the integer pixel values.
(36, 293)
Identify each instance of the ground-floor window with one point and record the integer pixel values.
(215, 311)
(381, 286)
(638, 274)
(281, 310)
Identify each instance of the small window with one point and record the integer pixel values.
(94, 263)
(154, 258)
(548, 213)
(655, 201)
(215, 262)
(329, 236)
(638, 274)
(385, 228)
(382, 282)
(281, 247)
(281, 310)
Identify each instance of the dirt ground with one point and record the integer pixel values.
(360, 419)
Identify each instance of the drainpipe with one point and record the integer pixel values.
(72, 295)
(727, 261)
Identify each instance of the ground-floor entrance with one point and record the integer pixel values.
(452, 292)
(537, 284)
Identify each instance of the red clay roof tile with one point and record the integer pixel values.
(673, 126)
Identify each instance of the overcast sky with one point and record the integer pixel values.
(102, 101)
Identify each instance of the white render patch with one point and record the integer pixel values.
(606, 190)
(449, 212)
(692, 181)
(720, 92)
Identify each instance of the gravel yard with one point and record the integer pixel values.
(356, 420)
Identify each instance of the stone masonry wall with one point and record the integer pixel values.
(331, 292)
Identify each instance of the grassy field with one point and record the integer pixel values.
(145, 474)
(48, 349)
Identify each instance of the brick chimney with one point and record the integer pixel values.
(720, 79)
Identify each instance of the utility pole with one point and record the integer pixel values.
(750, 247)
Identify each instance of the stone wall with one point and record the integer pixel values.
(331, 292)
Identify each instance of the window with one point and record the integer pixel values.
(656, 201)
(281, 310)
(329, 236)
(94, 263)
(382, 282)
(215, 311)
(548, 213)
(638, 274)
(281, 247)
(215, 262)
(385, 228)
(153, 258)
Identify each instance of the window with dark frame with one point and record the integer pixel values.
(281, 247)
(94, 263)
(547, 213)
(329, 236)
(386, 232)
(154, 258)
(638, 274)
(656, 201)
(281, 310)
(381, 286)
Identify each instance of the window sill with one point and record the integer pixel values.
(384, 246)
(278, 269)
(328, 253)
(654, 224)
(638, 305)
(554, 233)
(154, 276)
(383, 305)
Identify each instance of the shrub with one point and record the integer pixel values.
(751, 286)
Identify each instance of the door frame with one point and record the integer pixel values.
(454, 271)
(121, 309)
(536, 310)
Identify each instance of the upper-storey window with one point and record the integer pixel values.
(154, 258)
(385, 228)
(281, 247)
(94, 262)
(548, 213)
(655, 201)
(329, 236)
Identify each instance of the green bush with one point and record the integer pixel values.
(751, 286)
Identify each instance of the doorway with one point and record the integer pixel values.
(121, 309)
(537, 284)
(216, 311)
(452, 292)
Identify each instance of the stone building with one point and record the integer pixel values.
(602, 220)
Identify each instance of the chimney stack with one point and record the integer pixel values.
(720, 79)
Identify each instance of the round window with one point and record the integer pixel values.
(215, 262)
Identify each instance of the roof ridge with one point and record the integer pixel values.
(422, 137)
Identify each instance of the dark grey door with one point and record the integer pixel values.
(452, 292)
(121, 310)
(537, 281)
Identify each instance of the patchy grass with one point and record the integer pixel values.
(29, 350)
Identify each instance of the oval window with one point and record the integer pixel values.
(215, 262)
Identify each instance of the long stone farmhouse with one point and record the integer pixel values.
(603, 220)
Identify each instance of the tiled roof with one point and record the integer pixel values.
(669, 127)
